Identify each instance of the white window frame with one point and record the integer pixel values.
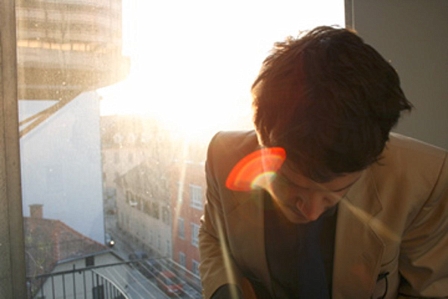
(195, 234)
(196, 201)
(182, 259)
(195, 267)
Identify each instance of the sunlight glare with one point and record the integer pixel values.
(192, 63)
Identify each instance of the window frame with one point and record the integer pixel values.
(195, 234)
(196, 197)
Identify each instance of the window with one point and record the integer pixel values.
(91, 74)
(90, 261)
(155, 210)
(182, 259)
(194, 234)
(168, 248)
(128, 197)
(181, 228)
(166, 215)
(133, 201)
(196, 197)
(147, 207)
(195, 269)
(139, 201)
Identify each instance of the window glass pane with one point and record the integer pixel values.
(117, 102)
(196, 200)
(194, 234)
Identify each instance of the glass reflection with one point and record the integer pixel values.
(117, 102)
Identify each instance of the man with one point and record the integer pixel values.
(322, 201)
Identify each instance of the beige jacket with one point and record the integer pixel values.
(393, 222)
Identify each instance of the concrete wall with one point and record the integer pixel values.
(412, 34)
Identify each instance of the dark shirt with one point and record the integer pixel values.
(283, 242)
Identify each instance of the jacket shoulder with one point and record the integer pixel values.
(412, 166)
(225, 150)
(232, 145)
(411, 155)
(239, 140)
(410, 146)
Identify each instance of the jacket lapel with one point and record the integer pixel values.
(246, 225)
(358, 249)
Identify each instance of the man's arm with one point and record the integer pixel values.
(424, 249)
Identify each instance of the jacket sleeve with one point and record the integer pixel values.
(217, 266)
(424, 248)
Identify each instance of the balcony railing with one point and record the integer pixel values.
(86, 283)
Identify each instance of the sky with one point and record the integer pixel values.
(193, 62)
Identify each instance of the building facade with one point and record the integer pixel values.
(188, 207)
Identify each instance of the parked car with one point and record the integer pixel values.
(169, 283)
(149, 268)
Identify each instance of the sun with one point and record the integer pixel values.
(195, 115)
(192, 64)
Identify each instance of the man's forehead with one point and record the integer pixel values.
(295, 177)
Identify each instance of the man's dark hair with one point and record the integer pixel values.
(329, 100)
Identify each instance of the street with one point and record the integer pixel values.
(139, 286)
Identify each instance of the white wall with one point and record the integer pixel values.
(61, 165)
(413, 35)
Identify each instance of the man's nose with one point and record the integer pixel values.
(311, 206)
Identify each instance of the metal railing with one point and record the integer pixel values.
(86, 283)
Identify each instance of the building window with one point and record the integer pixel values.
(118, 139)
(181, 228)
(155, 210)
(196, 197)
(182, 259)
(194, 234)
(132, 200)
(168, 248)
(139, 201)
(128, 197)
(90, 261)
(166, 215)
(195, 269)
(147, 207)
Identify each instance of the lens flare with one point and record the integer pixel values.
(256, 169)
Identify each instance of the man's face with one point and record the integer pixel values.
(302, 200)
